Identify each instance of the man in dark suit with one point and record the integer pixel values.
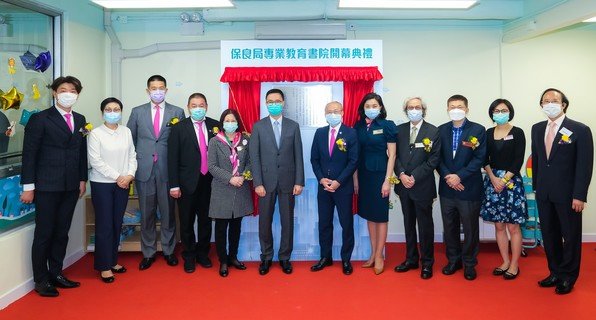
(418, 155)
(190, 180)
(562, 159)
(54, 175)
(334, 158)
(278, 173)
(463, 151)
(150, 127)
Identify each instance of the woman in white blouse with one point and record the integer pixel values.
(113, 163)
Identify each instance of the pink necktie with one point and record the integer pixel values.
(331, 141)
(550, 138)
(67, 116)
(202, 148)
(156, 127)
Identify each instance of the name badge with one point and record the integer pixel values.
(509, 137)
(566, 132)
(378, 131)
(418, 145)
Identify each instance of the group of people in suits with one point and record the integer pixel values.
(207, 167)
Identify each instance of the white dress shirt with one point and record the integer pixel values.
(558, 122)
(111, 154)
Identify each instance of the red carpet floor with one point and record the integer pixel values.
(164, 292)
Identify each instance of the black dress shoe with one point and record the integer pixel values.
(450, 268)
(406, 266)
(119, 270)
(189, 265)
(564, 287)
(426, 272)
(286, 266)
(264, 267)
(510, 276)
(324, 262)
(171, 260)
(237, 264)
(146, 263)
(46, 289)
(109, 279)
(549, 281)
(205, 262)
(223, 270)
(346, 268)
(62, 282)
(470, 273)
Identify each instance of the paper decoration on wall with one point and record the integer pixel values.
(28, 60)
(36, 94)
(26, 115)
(2, 101)
(10, 131)
(11, 67)
(43, 61)
(12, 99)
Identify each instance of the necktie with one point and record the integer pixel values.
(202, 148)
(331, 141)
(277, 132)
(550, 137)
(413, 134)
(67, 116)
(156, 121)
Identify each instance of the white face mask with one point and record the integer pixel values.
(552, 110)
(67, 99)
(457, 114)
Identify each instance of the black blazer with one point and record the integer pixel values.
(566, 174)
(416, 161)
(54, 158)
(184, 157)
(466, 164)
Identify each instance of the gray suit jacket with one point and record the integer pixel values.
(273, 167)
(146, 143)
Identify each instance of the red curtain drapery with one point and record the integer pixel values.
(245, 89)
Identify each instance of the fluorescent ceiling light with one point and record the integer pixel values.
(153, 4)
(593, 19)
(407, 4)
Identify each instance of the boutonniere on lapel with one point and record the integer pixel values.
(427, 143)
(173, 122)
(247, 175)
(565, 139)
(393, 180)
(215, 130)
(244, 143)
(341, 144)
(471, 143)
(86, 129)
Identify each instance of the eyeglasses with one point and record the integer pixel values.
(549, 101)
(277, 101)
(414, 107)
(497, 111)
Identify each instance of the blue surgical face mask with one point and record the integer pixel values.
(333, 119)
(230, 127)
(112, 117)
(275, 109)
(552, 110)
(198, 114)
(415, 115)
(372, 113)
(157, 96)
(500, 118)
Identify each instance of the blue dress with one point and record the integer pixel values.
(372, 167)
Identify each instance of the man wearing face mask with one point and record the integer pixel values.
(54, 176)
(562, 160)
(190, 180)
(150, 127)
(334, 158)
(418, 155)
(278, 174)
(463, 152)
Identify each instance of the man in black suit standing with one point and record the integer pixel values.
(563, 155)
(190, 180)
(54, 176)
(418, 155)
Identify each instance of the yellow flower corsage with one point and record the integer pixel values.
(393, 180)
(427, 144)
(565, 139)
(341, 144)
(247, 175)
(215, 130)
(86, 129)
(173, 121)
(474, 142)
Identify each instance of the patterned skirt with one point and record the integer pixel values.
(508, 206)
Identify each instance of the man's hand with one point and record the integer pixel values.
(82, 188)
(458, 187)
(326, 183)
(577, 205)
(297, 190)
(27, 196)
(260, 191)
(175, 193)
(452, 180)
(407, 181)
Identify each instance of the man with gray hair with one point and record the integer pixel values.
(418, 155)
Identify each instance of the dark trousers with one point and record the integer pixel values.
(286, 215)
(109, 203)
(466, 213)
(195, 206)
(53, 216)
(231, 234)
(421, 211)
(562, 237)
(327, 202)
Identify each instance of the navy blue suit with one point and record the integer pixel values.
(340, 166)
(462, 206)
